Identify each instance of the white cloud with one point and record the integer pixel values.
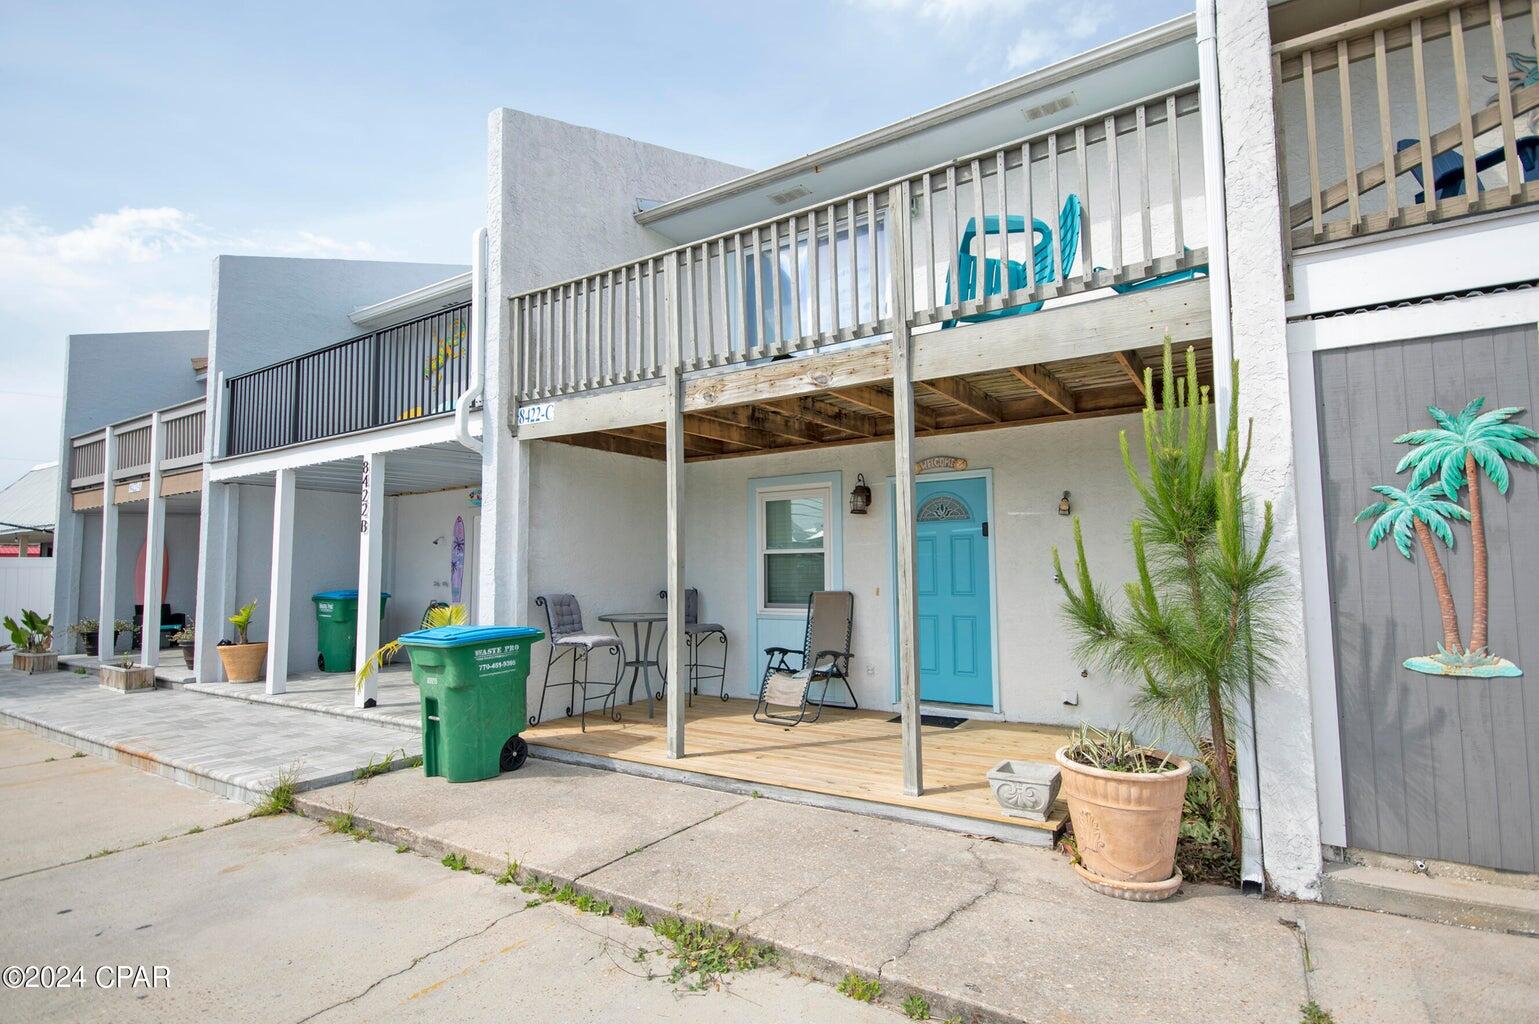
(1055, 34)
(982, 29)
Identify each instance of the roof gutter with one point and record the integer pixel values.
(477, 384)
(1102, 56)
(1252, 869)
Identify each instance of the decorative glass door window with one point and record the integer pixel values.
(793, 546)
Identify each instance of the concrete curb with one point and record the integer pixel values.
(807, 964)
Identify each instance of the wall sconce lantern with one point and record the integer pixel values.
(1063, 504)
(860, 496)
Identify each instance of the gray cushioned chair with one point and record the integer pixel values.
(563, 617)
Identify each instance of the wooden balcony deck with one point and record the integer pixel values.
(852, 757)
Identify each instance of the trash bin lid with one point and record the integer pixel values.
(464, 636)
(341, 595)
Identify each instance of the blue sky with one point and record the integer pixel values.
(143, 139)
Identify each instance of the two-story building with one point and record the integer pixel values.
(896, 369)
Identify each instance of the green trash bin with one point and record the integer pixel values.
(336, 629)
(471, 680)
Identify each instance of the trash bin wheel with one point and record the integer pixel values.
(514, 753)
(320, 661)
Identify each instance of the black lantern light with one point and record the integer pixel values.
(860, 496)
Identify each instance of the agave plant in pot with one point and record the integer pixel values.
(1196, 627)
(243, 660)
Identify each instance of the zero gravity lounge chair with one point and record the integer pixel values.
(825, 659)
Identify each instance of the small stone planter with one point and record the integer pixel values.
(1025, 789)
(135, 679)
(32, 664)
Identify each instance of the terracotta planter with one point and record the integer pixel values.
(1125, 826)
(243, 663)
(32, 664)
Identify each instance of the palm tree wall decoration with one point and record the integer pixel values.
(1459, 451)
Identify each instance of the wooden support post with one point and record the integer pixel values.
(107, 613)
(903, 454)
(154, 550)
(279, 593)
(678, 684)
(371, 567)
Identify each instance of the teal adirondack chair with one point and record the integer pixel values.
(993, 270)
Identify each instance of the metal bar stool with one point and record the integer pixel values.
(696, 635)
(563, 615)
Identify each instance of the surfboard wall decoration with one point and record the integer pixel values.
(457, 561)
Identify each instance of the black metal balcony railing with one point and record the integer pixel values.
(406, 372)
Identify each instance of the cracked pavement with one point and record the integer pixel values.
(274, 919)
(976, 926)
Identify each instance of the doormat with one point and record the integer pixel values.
(938, 721)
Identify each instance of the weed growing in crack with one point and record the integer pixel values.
(402, 848)
(78, 753)
(509, 874)
(1310, 1013)
(194, 830)
(916, 1007)
(702, 953)
(634, 917)
(375, 768)
(341, 822)
(532, 902)
(454, 862)
(862, 990)
(280, 798)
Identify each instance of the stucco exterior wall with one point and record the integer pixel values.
(1290, 824)
(560, 202)
(598, 531)
(109, 378)
(420, 531)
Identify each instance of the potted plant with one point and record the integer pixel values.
(120, 627)
(1198, 627)
(32, 637)
(1125, 800)
(86, 631)
(185, 638)
(126, 676)
(243, 660)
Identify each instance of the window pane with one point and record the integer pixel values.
(793, 523)
(790, 579)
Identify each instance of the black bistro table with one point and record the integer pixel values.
(646, 657)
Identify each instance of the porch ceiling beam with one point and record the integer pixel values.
(805, 374)
(653, 434)
(759, 418)
(825, 415)
(966, 395)
(750, 437)
(880, 401)
(1041, 379)
(615, 443)
(1132, 364)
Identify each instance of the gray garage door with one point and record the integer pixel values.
(1435, 766)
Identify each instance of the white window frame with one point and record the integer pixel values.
(767, 494)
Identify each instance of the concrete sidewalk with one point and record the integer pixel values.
(975, 926)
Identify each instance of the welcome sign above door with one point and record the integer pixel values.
(941, 463)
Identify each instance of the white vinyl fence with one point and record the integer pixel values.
(24, 583)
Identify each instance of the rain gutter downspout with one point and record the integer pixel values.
(1252, 873)
(477, 384)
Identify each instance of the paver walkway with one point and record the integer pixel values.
(332, 694)
(975, 926)
(228, 747)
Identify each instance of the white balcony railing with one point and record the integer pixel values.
(1123, 187)
(1371, 111)
(181, 438)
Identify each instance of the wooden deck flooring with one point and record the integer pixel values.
(849, 754)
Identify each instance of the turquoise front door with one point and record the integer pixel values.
(956, 645)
